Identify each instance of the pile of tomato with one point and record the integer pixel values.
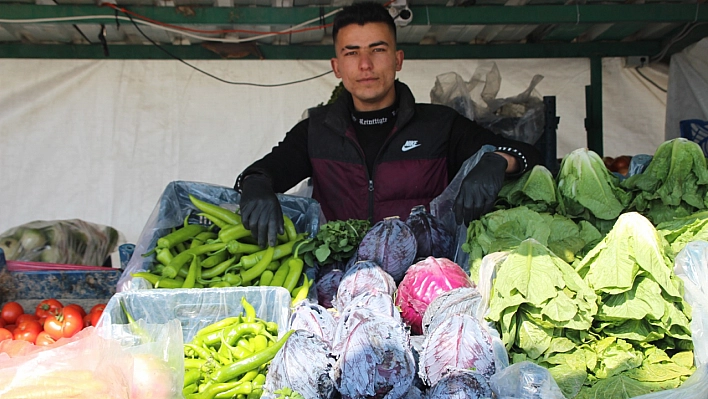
(50, 321)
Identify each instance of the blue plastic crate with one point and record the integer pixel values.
(85, 288)
(696, 130)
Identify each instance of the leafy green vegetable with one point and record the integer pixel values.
(535, 189)
(680, 231)
(336, 241)
(587, 189)
(624, 289)
(504, 230)
(674, 184)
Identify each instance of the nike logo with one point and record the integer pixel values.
(409, 145)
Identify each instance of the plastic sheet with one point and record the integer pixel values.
(525, 380)
(174, 205)
(441, 207)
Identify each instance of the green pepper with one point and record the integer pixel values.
(206, 236)
(192, 275)
(259, 342)
(191, 376)
(245, 343)
(259, 267)
(215, 210)
(233, 334)
(215, 220)
(158, 281)
(237, 247)
(189, 389)
(266, 278)
(296, 265)
(233, 233)
(183, 257)
(280, 251)
(219, 325)
(235, 369)
(289, 228)
(194, 363)
(219, 284)
(280, 275)
(234, 388)
(249, 310)
(219, 269)
(164, 256)
(180, 235)
(215, 259)
(233, 279)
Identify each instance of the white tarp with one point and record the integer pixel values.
(99, 140)
(688, 94)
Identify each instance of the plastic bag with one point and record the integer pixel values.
(441, 207)
(71, 241)
(90, 365)
(519, 117)
(525, 380)
(174, 205)
(691, 266)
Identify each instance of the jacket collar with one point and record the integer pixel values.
(339, 114)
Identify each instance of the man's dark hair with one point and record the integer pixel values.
(360, 14)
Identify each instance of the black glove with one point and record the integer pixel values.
(480, 188)
(260, 209)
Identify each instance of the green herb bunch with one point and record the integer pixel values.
(336, 241)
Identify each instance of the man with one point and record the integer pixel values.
(374, 152)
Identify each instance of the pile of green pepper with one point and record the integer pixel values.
(224, 255)
(229, 358)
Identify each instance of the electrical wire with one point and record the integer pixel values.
(294, 29)
(216, 77)
(683, 33)
(178, 30)
(649, 80)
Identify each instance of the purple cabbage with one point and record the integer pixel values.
(432, 237)
(459, 342)
(391, 244)
(303, 364)
(377, 302)
(327, 286)
(315, 319)
(375, 360)
(363, 276)
(460, 384)
(423, 282)
(459, 300)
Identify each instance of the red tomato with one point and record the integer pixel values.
(44, 339)
(25, 317)
(99, 306)
(77, 307)
(95, 316)
(48, 307)
(11, 328)
(11, 311)
(87, 320)
(65, 324)
(5, 334)
(2, 322)
(27, 331)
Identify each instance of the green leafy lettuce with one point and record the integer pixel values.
(587, 190)
(504, 230)
(674, 184)
(680, 231)
(615, 326)
(535, 189)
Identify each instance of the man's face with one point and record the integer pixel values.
(367, 62)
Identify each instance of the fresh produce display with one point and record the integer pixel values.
(76, 384)
(314, 319)
(463, 300)
(60, 241)
(535, 190)
(616, 326)
(460, 384)
(422, 283)
(391, 244)
(223, 255)
(47, 323)
(432, 237)
(363, 277)
(230, 357)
